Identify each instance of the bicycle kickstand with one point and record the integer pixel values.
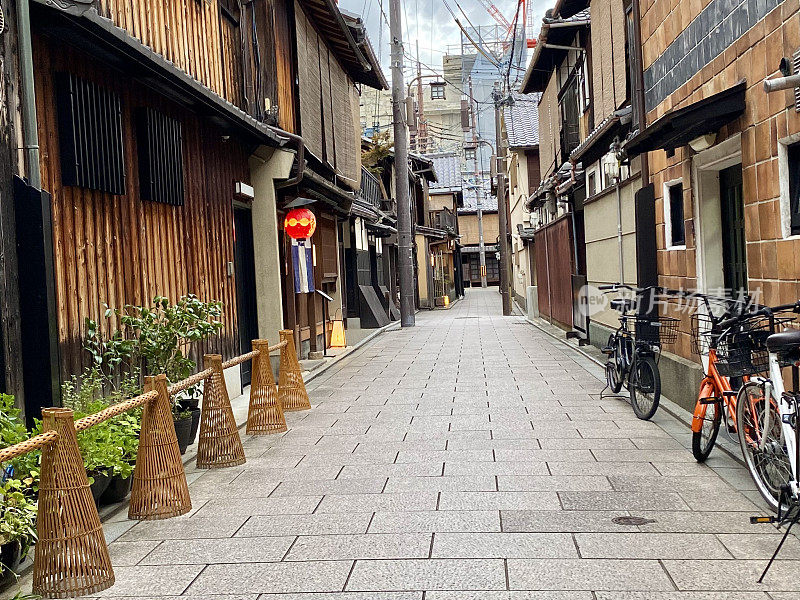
(794, 519)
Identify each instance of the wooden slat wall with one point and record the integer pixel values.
(120, 250)
(554, 268)
(329, 113)
(309, 83)
(327, 103)
(186, 32)
(284, 64)
(232, 74)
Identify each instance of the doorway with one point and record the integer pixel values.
(245, 284)
(734, 253)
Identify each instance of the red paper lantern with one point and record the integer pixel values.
(300, 223)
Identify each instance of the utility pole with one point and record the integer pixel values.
(405, 258)
(478, 189)
(502, 212)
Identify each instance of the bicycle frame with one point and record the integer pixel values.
(717, 386)
(787, 413)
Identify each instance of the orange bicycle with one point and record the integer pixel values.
(716, 398)
(727, 367)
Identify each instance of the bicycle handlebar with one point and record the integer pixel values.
(761, 311)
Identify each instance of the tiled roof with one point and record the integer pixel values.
(522, 120)
(471, 201)
(447, 167)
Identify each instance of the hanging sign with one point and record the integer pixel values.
(303, 263)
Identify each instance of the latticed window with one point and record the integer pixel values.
(437, 91)
(90, 135)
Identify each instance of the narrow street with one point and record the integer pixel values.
(458, 460)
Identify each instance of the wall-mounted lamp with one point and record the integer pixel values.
(703, 142)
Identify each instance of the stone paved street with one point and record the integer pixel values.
(469, 458)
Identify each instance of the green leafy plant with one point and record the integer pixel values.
(157, 337)
(12, 431)
(17, 515)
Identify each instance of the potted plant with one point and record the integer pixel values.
(124, 433)
(17, 524)
(163, 335)
(158, 339)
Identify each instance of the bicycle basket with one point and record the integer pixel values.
(702, 337)
(655, 330)
(744, 351)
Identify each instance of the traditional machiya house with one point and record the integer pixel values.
(435, 235)
(521, 135)
(145, 145)
(331, 57)
(582, 213)
(445, 197)
(723, 156)
(369, 242)
(168, 153)
(473, 216)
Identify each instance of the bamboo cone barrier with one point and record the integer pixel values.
(220, 444)
(265, 414)
(159, 487)
(71, 556)
(291, 389)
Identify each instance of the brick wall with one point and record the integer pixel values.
(693, 49)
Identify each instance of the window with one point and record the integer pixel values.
(90, 135)
(469, 154)
(793, 160)
(159, 139)
(592, 184)
(437, 91)
(674, 224)
(231, 52)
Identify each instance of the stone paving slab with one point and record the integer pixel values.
(468, 458)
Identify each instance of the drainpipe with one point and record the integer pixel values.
(639, 74)
(300, 147)
(30, 130)
(619, 233)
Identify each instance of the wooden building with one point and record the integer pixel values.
(332, 58)
(170, 144)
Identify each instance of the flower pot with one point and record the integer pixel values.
(117, 490)
(183, 428)
(195, 424)
(101, 481)
(188, 403)
(10, 558)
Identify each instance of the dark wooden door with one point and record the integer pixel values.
(734, 251)
(245, 284)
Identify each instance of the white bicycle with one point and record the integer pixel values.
(767, 415)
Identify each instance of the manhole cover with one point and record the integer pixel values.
(632, 520)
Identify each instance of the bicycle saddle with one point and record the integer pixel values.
(622, 304)
(784, 342)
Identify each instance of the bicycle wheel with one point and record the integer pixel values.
(703, 440)
(769, 466)
(613, 375)
(645, 387)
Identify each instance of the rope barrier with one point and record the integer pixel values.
(34, 443)
(39, 441)
(189, 382)
(240, 359)
(113, 411)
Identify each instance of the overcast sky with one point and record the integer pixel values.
(429, 22)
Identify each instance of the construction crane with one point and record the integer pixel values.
(507, 27)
